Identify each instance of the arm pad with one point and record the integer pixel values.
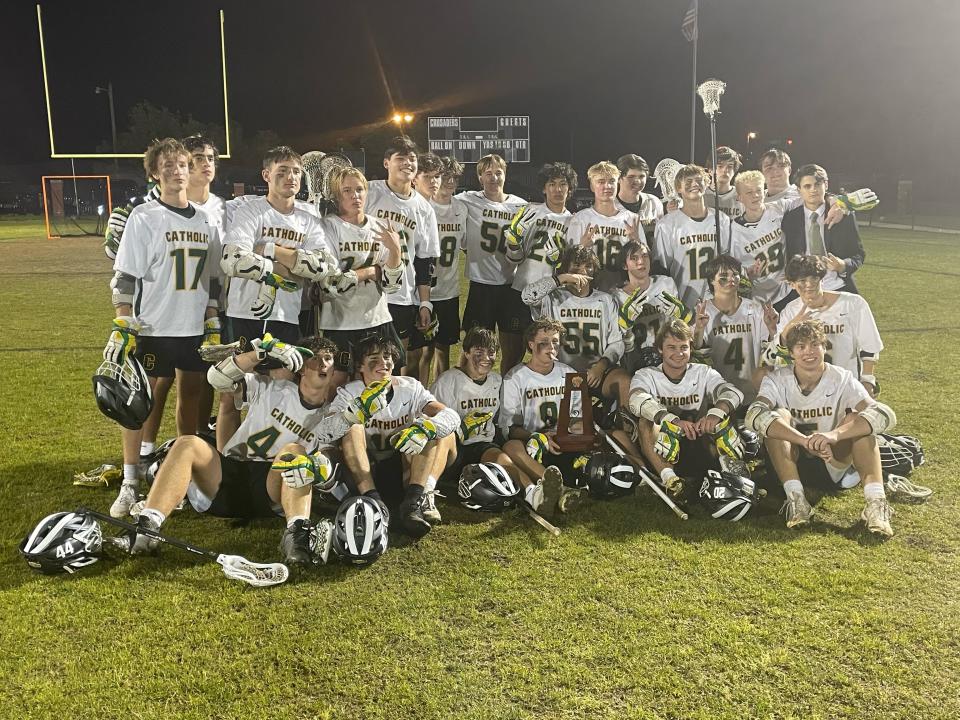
(424, 270)
(880, 417)
(730, 394)
(760, 416)
(446, 421)
(535, 292)
(225, 375)
(645, 405)
(241, 263)
(332, 427)
(123, 287)
(315, 265)
(393, 278)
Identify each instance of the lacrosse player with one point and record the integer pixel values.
(355, 306)
(683, 410)
(490, 212)
(634, 172)
(818, 412)
(536, 234)
(848, 323)
(529, 411)
(606, 226)
(395, 201)
(404, 449)
(269, 466)
(775, 165)
(724, 195)
(592, 340)
(165, 292)
(685, 241)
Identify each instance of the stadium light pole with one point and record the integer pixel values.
(113, 115)
(402, 119)
(752, 135)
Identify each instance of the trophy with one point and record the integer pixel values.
(586, 439)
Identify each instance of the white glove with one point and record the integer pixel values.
(290, 356)
(412, 440)
(297, 471)
(122, 341)
(372, 399)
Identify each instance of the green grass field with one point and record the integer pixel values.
(631, 613)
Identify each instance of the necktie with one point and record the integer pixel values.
(814, 237)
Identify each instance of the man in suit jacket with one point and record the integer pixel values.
(806, 233)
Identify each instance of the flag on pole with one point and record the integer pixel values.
(689, 25)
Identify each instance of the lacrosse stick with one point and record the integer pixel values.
(645, 475)
(234, 566)
(216, 353)
(710, 92)
(319, 169)
(665, 174)
(311, 161)
(540, 519)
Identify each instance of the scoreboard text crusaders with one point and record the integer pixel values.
(467, 139)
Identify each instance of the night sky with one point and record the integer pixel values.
(862, 86)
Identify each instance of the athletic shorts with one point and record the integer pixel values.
(488, 306)
(161, 357)
(572, 477)
(242, 492)
(405, 325)
(518, 312)
(466, 455)
(448, 315)
(346, 340)
(245, 330)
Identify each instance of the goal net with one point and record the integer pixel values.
(76, 205)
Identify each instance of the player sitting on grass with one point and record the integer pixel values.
(592, 341)
(280, 427)
(403, 450)
(529, 411)
(684, 410)
(819, 412)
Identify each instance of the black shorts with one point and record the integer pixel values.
(466, 455)
(572, 477)
(448, 315)
(489, 306)
(245, 330)
(243, 490)
(405, 324)
(161, 357)
(518, 312)
(346, 340)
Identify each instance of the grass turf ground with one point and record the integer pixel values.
(630, 613)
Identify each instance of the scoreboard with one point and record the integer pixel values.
(468, 139)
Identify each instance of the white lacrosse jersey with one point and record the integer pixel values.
(735, 342)
(452, 229)
(654, 312)
(276, 416)
(459, 391)
(544, 225)
(762, 240)
(362, 306)
(684, 246)
(416, 222)
(688, 398)
(728, 202)
(532, 401)
(252, 225)
(485, 242)
(173, 258)
(849, 325)
(649, 209)
(824, 408)
(610, 235)
(788, 193)
(591, 327)
(215, 208)
(409, 399)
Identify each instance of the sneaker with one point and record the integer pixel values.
(569, 498)
(125, 500)
(145, 544)
(551, 485)
(900, 488)
(534, 495)
(876, 514)
(295, 543)
(412, 521)
(428, 506)
(797, 510)
(321, 540)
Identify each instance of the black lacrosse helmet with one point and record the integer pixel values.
(63, 542)
(487, 487)
(608, 475)
(751, 442)
(123, 392)
(728, 496)
(159, 455)
(360, 530)
(899, 454)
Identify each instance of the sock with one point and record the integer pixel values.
(792, 486)
(154, 514)
(667, 474)
(131, 475)
(292, 520)
(431, 483)
(147, 448)
(874, 491)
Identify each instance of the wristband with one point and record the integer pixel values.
(426, 304)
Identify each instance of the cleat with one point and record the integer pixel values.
(570, 498)
(673, 486)
(412, 521)
(144, 544)
(295, 543)
(126, 499)
(321, 540)
(551, 484)
(900, 488)
(797, 510)
(876, 515)
(428, 507)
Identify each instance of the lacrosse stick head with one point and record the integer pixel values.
(256, 574)
(665, 174)
(710, 92)
(311, 164)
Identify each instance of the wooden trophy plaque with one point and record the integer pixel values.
(586, 438)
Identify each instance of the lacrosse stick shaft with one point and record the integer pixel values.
(151, 533)
(645, 476)
(716, 189)
(540, 519)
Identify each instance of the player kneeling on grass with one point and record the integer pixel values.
(818, 411)
(404, 449)
(280, 430)
(529, 411)
(684, 411)
(473, 390)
